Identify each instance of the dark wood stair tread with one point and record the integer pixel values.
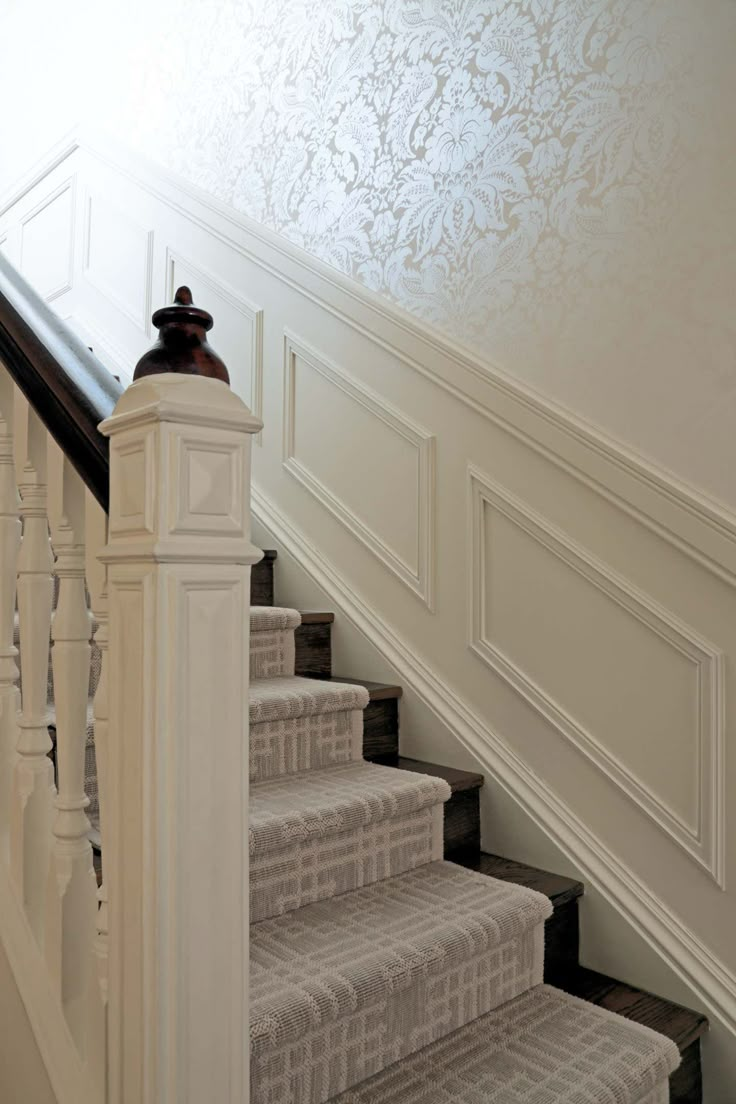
(559, 889)
(378, 691)
(680, 1024)
(316, 617)
(459, 780)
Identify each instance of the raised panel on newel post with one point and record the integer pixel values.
(178, 556)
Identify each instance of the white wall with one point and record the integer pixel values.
(549, 182)
(558, 612)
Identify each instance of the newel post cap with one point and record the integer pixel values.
(182, 346)
(183, 399)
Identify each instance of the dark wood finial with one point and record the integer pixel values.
(182, 345)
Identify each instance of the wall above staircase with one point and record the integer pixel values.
(563, 609)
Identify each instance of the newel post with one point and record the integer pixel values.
(178, 556)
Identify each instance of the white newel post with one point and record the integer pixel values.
(175, 847)
(9, 546)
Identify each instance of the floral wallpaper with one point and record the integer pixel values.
(551, 182)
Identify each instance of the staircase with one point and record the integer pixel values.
(391, 960)
(474, 1051)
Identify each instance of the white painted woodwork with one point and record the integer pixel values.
(179, 558)
(46, 242)
(72, 887)
(621, 552)
(33, 781)
(10, 531)
(98, 997)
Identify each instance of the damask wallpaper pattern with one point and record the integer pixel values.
(549, 181)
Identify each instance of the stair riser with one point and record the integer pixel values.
(562, 941)
(319, 869)
(330, 1060)
(271, 654)
(462, 823)
(284, 747)
(314, 650)
(686, 1083)
(381, 731)
(261, 583)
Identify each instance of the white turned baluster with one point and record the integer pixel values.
(178, 559)
(72, 887)
(97, 1048)
(10, 529)
(33, 780)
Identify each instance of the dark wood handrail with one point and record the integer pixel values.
(67, 386)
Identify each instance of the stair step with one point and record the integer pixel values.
(680, 1024)
(559, 889)
(462, 811)
(325, 832)
(300, 723)
(562, 930)
(346, 987)
(380, 720)
(261, 580)
(543, 1046)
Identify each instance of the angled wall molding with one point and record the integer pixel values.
(135, 299)
(703, 840)
(698, 525)
(252, 342)
(418, 576)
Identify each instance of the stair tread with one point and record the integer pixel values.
(311, 967)
(558, 888)
(316, 617)
(274, 618)
(544, 1044)
(458, 780)
(377, 690)
(295, 696)
(300, 807)
(683, 1025)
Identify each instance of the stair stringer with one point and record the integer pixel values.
(664, 947)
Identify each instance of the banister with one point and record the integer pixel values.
(67, 386)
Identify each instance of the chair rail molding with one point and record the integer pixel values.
(705, 840)
(419, 578)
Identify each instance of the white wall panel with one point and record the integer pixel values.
(118, 258)
(576, 624)
(47, 242)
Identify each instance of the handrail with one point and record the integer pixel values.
(66, 385)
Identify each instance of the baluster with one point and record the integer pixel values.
(97, 1048)
(33, 780)
(10, 529)
(72, 886)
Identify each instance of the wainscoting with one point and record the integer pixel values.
(565, 609)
